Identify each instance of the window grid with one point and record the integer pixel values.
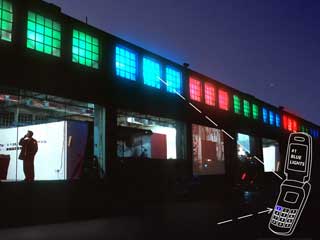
(85, 49)
(126, 63)
(236, 104)
(278, 120)
(209, 94)
(255, 111)
(223, 100)
(151, 73)
(6, 20)
(174, 80)
(271, 118)
(43, 34)
(195, 89)
(246, 108)
(265, 115)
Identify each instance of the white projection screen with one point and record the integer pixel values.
(50, 160)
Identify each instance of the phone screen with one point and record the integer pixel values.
(297, 157)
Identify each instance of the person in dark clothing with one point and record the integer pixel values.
(27, 154)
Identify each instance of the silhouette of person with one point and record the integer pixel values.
(28, 151)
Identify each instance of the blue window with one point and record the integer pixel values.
(271, 118)
(126, 63)
(174, 80)
(265, 115)
(278, 120)
(151, 73)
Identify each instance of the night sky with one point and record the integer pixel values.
(267, 48)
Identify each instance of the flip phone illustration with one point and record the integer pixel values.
(295, 189)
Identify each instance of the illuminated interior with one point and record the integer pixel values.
(223, 100)
(195, 89)
(43, 34)
(255, 111)
(67, 133)
(151, 73)
(271, 155)
(236, 104)
(145, 136)
(174, 80)
(126, 63)
(6, 20)
(85, 49)
(209, 94)
(208, 151)
(246, 108)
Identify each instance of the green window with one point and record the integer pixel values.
(236, 104)
(43, 34)
(255, 111)
(246, 108)
(85, 49)
(6, 20)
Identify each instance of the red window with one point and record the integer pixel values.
(209, 94)
(285, 122)
(195, 89)
(223, 100)
(294, 126)
(289, 124)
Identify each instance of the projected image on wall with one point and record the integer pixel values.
(60, 150)
(208, 151)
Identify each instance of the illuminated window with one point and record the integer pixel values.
(294, 126)
(43, 34)
(302, 129)
(236, 104)
(246, 108)
(255, 111)
(85, 49)
(290, 125)
(265, 115)
(271, 118)
(6, 20)
(174, 80)
(209, 94)
(278, 120)
(285, 122)
(223, 100)
(151, 73)
(195, 89)
(126, 63)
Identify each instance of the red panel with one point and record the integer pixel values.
(290, 125)
(285, 122)
(294, 126)
(158, 146)
(223, 100)
(209, 94)
(195, 89)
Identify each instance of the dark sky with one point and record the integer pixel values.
(268, 48)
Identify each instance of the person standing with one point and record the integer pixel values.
(27, 154)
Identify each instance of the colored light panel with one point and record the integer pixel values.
(265, 115)
(294, 126)
(151, 73)
(209, 94)
(246, 108)
(302, 129)
(236, 104)
(255, 111)
(223, 100)
(285, 122)
(271, 118)
(290, 125)
(6, 20)
(85, 49)
(278, 120)
(43, 34)
(126, 63)
(195, 89)
(174, 80)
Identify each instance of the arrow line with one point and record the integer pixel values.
(269, 210)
